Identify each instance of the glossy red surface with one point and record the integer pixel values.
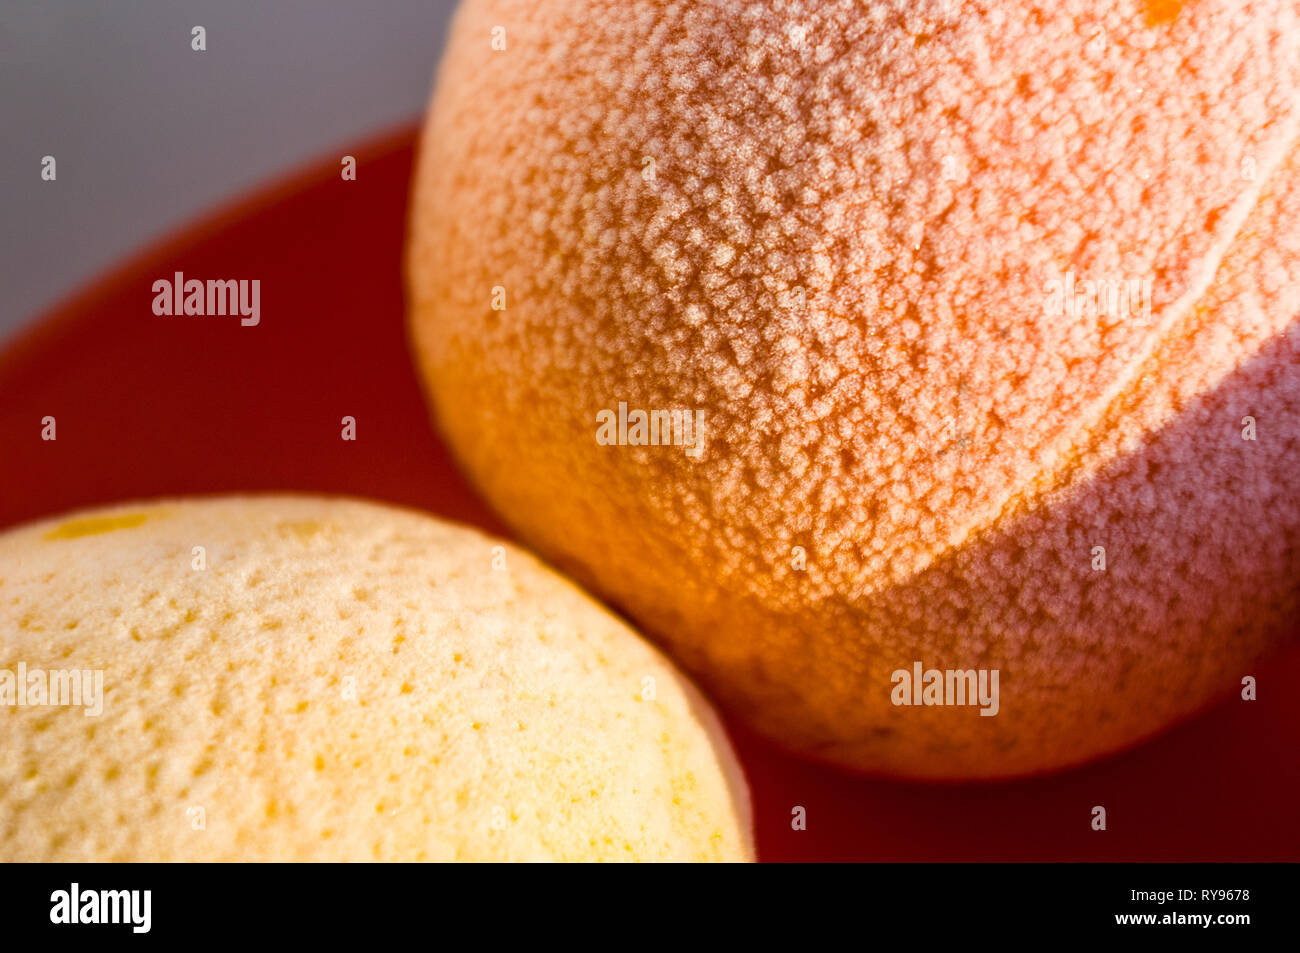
(149, 406)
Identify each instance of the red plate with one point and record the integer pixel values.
(149, 406)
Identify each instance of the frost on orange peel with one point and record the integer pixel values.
(831, 228)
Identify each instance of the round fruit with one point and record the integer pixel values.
(297, 678)
(986, 315)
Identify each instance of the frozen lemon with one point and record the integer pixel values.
(979, 322)
(298, 678)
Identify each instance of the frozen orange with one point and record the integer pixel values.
(837, 342)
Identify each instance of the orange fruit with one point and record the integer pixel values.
(988, 318)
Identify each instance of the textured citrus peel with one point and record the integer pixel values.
(807, 146)
(810, 400)
(1067, 451)
(342, 681)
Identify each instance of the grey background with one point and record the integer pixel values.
(147, 133)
